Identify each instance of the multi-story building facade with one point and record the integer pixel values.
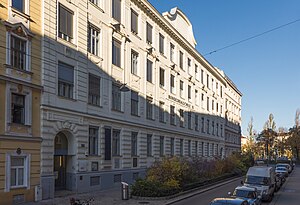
(20, 95)
(123, 86)
(232, 118)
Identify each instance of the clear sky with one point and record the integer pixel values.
(265, 69)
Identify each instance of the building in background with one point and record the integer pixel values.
(124, 86)
(20, 94)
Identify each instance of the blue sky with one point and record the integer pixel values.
(265, 69)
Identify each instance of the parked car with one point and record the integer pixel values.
(278, 181)
(263, 178)
(247, 193)
(229, 201)
(281, 177)
(287, 166)
(282, 170)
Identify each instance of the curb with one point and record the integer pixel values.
(185, 196)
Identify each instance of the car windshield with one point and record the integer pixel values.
(243, 193)
(257, 180)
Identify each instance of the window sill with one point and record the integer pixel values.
(115, 110)
(66, 98)
(14, 124)
(18, 187)
(67, 43)
(18, 69)
(173, 125)
(21, 14)
(150, 119)
(135, 115)
(164, 122)
(95, 58)
(98, 106)
(97, 6)
(136, 35)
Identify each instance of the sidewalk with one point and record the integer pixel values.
(290, 192)
(113, 197)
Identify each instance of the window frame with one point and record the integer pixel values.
(134, 101)
(149, 71)
(64, 84)
(134, 62)
(149, 108)
(134, 15)
(116, 52)
(65, 35)
(117, 98)
(93, 39)
(149, 33)
(97, 94)
(94, 137)
(116, 12)
(161, 77)
(161, 44)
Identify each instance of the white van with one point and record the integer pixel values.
(263, 178)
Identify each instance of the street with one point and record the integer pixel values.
(287, 193)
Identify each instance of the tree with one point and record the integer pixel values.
(267, 136)
(250, 147)
(294, 140)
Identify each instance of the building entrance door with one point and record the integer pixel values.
(60, 161)
(60, 172)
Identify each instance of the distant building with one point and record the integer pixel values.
(20, 94)
(176, 104)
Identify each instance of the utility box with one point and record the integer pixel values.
(125, 191)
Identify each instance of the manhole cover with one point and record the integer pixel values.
(290, 190)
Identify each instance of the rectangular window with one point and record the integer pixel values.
(161, 145)
(190, 120)
(116, 143)
(19, 5)
(196, 123)
(172, 84)
(172, 52)
(134, 22)
(93, 141)
(202, 100)
(149, 108)
(172, 115)
(221, 130)
(197, 73)
(149, 33)
(93, 40)
(189, 92)
(189, 65)
(116, 52)
(221, 91)
(18, 53)
(149, 70)
(94, 90)
(181, 88)
(116, 10)
(181, 116)
(202, 77)
(134, 143)
(65, 26)
(17, 171)
(107, 143)
(181, 147)
(149, 145)
(212, 105)
(207, 104)
(95, 181)
(196, 97)
(207, 126)
(161, 77)
(134, 103)
(161, 111)
(116, 97)
(207, 149)
(17, 108)
(202, 125)
(65, 80)
(161, 43)
(172, 145)
(202, 149)
(189, 148)
(196, 148)
(134, 62)
(213, 127)
(207, 81)
(217, 129)
(181, 60)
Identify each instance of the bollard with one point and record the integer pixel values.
(125, 191)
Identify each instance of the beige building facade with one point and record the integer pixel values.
(123, 86)
(20, 94)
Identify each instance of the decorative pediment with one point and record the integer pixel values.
(182, 24)
(19, 29)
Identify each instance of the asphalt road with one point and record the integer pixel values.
(206, 197)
